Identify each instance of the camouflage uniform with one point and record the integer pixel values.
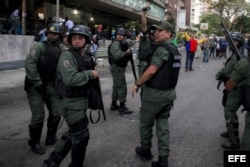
(40, 67)
(159, 94)
(119, 54)
(241, 76)
(74, 71)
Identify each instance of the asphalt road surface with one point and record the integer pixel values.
(196, 122)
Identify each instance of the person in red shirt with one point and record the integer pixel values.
(191, 47)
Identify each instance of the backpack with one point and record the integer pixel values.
(212, 44)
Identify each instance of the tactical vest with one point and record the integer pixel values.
(167, 76)
(123, 62)
(84, 63)
(145, 54)
(47, 66)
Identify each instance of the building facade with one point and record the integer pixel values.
(109, 13)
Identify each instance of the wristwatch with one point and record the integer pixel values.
(138, 85)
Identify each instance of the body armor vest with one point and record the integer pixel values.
(84, 63)
(123, 62)
(47, 67)
(145, 54)
(167, 76)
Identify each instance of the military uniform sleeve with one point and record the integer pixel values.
(159, 56)
(68, 68)
(31, 63)
(144, 43)
(241, 70)
(227, 69)
(130, 42)
(115, 50)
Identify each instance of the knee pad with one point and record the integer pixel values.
(79, 126)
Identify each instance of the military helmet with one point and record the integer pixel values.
(120, 31)
(238, 36)
(80, 30)
(54, 28)
(65, 34)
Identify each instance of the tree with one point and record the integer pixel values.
(213, 21)
(241, 24)
(230, 8)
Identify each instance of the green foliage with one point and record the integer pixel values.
(213, 21)
(242, 24)
(130, 25)
(228, 9)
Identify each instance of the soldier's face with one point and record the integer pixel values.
(78, 41)
(53, 37)
(161, 35)
(236, 43)
(119, 37)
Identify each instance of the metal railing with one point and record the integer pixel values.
(5, 25)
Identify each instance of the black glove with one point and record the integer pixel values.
(41, 89)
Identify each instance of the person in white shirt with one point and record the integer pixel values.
(68, 24)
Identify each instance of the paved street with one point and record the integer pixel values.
(196, 122)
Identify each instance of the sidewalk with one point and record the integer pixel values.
(12, 73)
(15, 77)
(11, 78)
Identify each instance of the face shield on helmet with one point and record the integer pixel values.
(80, 30)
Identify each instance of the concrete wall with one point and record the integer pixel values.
(14, 47)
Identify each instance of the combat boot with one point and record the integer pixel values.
(70, 165)
(144, 153)
(232, 145)
(123, 109)
(52, 129)
(51, 137)
(56, 158)
(114, 105)
(224, 134)
(162, 162)
(78, 153)
(35, 132)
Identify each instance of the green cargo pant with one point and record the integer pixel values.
(246, 134)
(37, 102)
(230, 110)
(76, 138)
(119, 89)
(151, 112)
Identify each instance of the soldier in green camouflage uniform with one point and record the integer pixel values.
(241, 78)
(119, 55)
(74, 72)
(160, 79)
(145, 46)
(231, 100)
(40, 67)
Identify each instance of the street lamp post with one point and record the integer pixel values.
(177, 15)
(57, 10)
(23, 17)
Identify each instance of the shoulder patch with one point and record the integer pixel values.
(66, 63)
(33, 52)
